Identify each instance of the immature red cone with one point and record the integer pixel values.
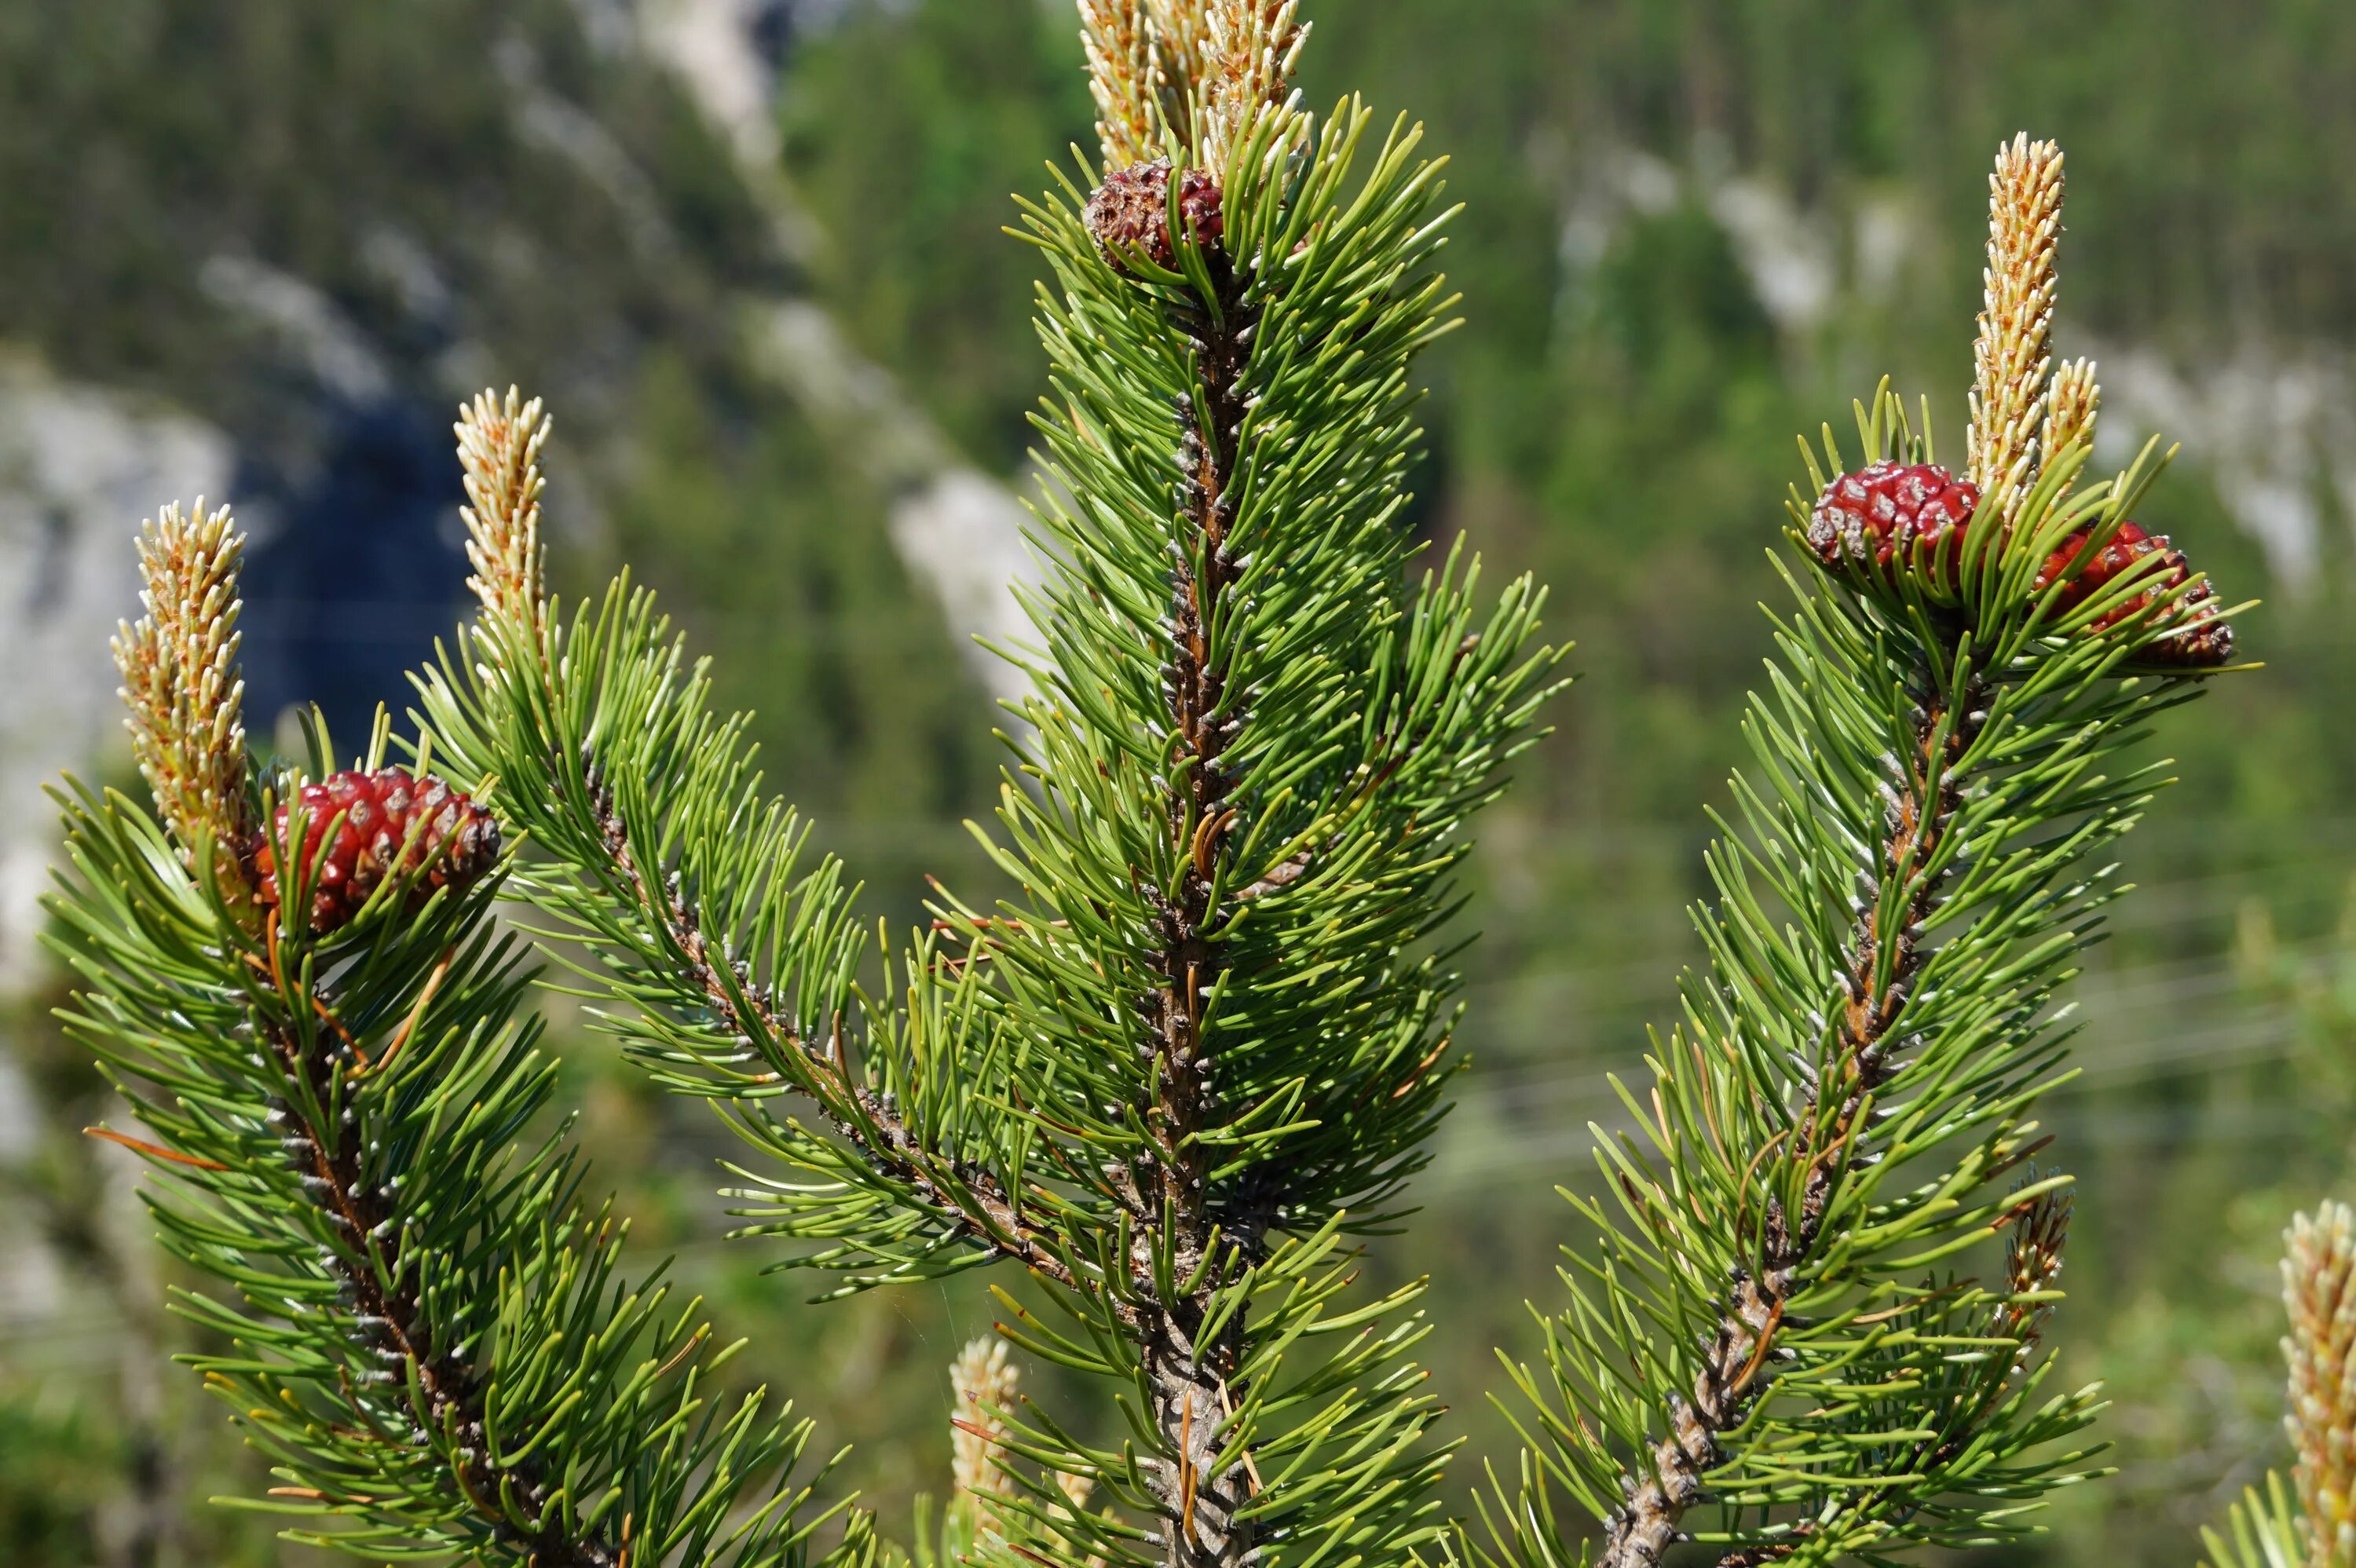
(2207, 639)
(1129, 213)
(386, 823)
(1878, 513)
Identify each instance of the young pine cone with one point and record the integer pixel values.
(1870, 522)
(1129, 213)
(2199, 639)
(1880, 513)
(390, 825)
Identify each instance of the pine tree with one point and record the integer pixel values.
(1184, 1070)
(1786, 1336)
(1193, 1059)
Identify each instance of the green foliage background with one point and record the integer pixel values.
(1617, 415)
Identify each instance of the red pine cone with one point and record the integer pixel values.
(1131, 212)
(1880, 511)
(2206, 640)
(456, 843)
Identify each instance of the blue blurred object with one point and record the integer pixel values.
(359, 567)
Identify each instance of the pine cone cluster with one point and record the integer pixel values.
(1129, 213)
(386, 824)
(2206, 639)
(1880, 511)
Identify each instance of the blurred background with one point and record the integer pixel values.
(749, 250)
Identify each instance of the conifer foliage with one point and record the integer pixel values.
(413, 1311)
(1805, 1325)
(1170, 1084)
(1195, 1055)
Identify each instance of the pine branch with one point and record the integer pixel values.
(1182, 761)
(320, 1028)
(974, 1206)
(1886, 956)
(519, 707)
(1797, 1113)
(1198, 1057)
(687, 777)
(446, 1389)
(1911, 870)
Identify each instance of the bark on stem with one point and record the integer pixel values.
(1209, 1481)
